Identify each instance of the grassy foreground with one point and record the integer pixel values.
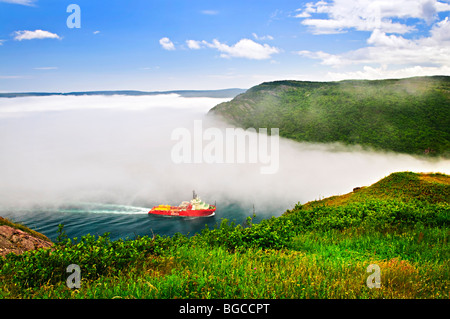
(318, 250)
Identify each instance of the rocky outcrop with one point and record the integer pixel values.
(14, 240)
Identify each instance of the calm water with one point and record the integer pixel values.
(120, 221)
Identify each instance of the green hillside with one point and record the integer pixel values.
(430, 188)
(320, 249)
(407, 115)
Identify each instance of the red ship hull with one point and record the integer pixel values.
(176, 211)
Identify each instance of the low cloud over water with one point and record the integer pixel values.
(117, 149)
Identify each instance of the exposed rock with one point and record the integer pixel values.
(13, 240)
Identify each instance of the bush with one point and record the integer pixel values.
(96, 256)
(371, 214)
(274, 233)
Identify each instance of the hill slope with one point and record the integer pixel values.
(405, 186)
(16, 238)
(318, 250)
(407, 115)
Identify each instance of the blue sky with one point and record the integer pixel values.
(198, 44)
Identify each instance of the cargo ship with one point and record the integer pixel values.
(193, 208)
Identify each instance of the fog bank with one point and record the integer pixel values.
(117, 149)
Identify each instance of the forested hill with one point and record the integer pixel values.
(405, 115)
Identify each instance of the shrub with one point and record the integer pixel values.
(96, 256)
(272, 233)
(372, 213)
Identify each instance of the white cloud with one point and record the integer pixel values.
(96, 32)
(310, 7)
(193, 44)
(1, 42)
(368, 15)
(441, 31)
(210, 12)
(303, 14)
(30, 105)
(390, 55)
(327, 58)
(393, 56)
(245, 48)
(378, 38)
(37, 34)
(22, 2)
(383, 72)
(167, 44)
(262, 38)
(386, 49)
